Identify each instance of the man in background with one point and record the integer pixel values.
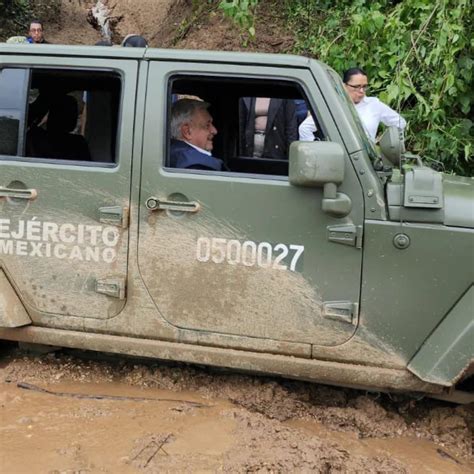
(36, 33)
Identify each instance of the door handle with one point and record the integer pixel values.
(28, 194)
(155, 204)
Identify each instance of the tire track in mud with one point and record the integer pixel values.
(253, 424)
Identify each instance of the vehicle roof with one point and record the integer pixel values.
(158, 54)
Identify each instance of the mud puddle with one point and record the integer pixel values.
(418, 456)
(61, 414)
(43, 432)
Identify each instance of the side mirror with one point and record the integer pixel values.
(392, 145)
(320, 164)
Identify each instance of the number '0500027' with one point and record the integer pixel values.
(248, 253)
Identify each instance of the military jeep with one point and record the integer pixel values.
(331, 265)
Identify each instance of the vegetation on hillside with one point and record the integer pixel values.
(417, 53)
(242, 13)
(15, 15)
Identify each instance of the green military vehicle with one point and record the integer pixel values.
(323, 265)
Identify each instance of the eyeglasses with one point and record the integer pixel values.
(363, 87)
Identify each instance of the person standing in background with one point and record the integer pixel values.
(371, 110)
(267, 127)
(36, 33)
(134, 41)
(301, 110)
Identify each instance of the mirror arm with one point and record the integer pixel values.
(334, 203)
(330, 191)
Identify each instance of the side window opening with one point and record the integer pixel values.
(255, 121)
(13, 85)
(66, 115)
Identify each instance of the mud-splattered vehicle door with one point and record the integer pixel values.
(240, 251)
(65, 166)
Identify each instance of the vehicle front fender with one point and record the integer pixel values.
(449, 349)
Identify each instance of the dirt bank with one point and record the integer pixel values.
(169, 24)
(64, 414)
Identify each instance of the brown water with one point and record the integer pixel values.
(43, 432)
(135, 418)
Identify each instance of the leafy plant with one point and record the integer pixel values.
(242, 12)
(418, 56)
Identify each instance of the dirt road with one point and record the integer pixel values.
(63, 414)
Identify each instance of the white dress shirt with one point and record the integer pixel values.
(306, 129)
(371, 112)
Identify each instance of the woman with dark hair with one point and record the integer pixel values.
(371, 110)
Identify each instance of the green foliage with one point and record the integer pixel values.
(15, 15)
(198, 11)
(242, 12)
(418, 56)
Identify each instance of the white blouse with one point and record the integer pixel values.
(306, 129)
(371, 112)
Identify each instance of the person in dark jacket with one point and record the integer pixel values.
(192, 135)
(301, 110)
(267, 127)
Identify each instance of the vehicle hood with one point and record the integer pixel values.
(458, 201)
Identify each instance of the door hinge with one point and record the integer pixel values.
(112, 286)
(346, 234)
(344, 311)
(114, 215)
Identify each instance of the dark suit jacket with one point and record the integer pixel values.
(183, 155)
(282, 127)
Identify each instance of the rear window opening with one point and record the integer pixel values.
(59, 114)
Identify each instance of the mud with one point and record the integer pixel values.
(126, 416)
(154, 19)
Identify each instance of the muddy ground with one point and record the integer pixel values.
(80, 413)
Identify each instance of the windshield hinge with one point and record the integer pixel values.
(346, 234)
(112, 286)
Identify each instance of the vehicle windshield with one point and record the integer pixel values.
(342, 93)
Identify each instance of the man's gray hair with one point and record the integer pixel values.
(182, 111)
